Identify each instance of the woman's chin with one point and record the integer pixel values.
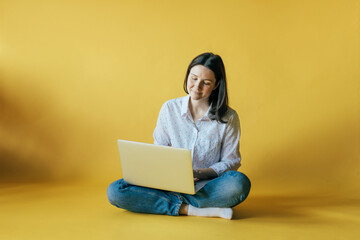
(195, 97)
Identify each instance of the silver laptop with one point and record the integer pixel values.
(159, 167)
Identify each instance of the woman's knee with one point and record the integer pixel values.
(238, 184)
(114, 191)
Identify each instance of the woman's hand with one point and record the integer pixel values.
(204, 173)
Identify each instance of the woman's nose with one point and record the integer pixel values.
(198, 84)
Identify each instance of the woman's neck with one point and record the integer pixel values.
(198, 108)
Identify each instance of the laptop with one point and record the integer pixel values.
(159, 167)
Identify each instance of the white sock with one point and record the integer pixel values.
(210, 212)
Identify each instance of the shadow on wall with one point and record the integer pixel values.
(30, 150)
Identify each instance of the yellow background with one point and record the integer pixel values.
(75, 76)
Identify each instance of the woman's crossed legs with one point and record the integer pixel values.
(226, 191)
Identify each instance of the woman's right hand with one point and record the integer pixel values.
(204, 173)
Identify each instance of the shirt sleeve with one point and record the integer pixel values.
(160, 135)
(230, 154)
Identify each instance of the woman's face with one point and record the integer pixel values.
(200, 83)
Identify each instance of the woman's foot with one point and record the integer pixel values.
(225, 213)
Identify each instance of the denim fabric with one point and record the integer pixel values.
(228, 190)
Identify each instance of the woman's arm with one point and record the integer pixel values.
(230, 154)
(160, 135)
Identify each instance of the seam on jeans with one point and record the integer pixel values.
(181, 200)
(177, 209)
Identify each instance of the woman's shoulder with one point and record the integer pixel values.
(176, 102)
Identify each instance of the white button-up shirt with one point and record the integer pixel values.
(213, 144)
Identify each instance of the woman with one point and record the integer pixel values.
(203, 122)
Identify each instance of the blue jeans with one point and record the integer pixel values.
(225, 191)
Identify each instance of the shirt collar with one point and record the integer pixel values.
(185, 107)
(185, 111)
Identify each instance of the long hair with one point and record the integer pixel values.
(219, 97)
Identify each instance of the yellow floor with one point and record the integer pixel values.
(81, 211)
